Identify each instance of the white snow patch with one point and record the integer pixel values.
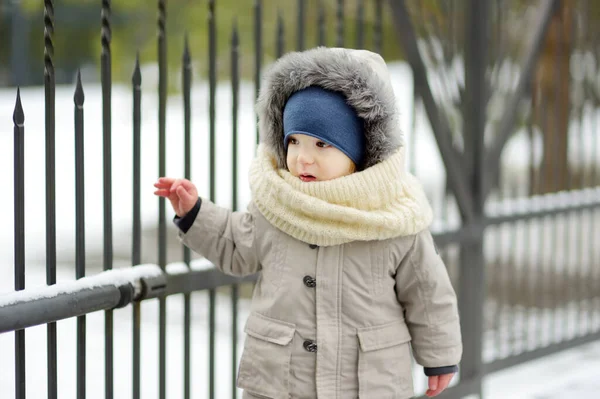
(116, 277)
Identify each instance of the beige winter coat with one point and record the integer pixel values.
(362, 304)
(350, 280)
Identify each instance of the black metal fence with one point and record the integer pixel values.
(522, 257)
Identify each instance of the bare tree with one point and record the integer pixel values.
(551, 102)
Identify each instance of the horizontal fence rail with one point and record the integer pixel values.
(108, 290)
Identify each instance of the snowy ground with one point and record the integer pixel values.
(565, 375)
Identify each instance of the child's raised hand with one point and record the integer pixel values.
(182, 193)
(438, 383)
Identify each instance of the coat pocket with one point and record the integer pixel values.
(265, 363)
(384, 362)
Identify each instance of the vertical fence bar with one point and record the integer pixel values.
(235, 89)
(547, 236)
(360, 24)
(472, 276)
(588, 282)
(50, 87)
(212, 78)
(301, 25)
(321, 24)
(583, 295)
(378, 27)
(136, 255)
(19, 206)
(582, 275)
(532, 273)
(560, 222)
(258, 50)
(136, 82)
(280, 39)
(187, 256)
(562, 181)
(503, 290)
(339, 40)
(106, 81)
(162, 223)
(594, 261)
(533, 267)
(78, 99)
(518, 305)
(578, 223)
(511, 279)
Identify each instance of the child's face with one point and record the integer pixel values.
(311, 159)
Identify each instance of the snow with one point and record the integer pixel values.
(116, 277)
(544, 378)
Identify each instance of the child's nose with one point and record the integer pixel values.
(305, 157)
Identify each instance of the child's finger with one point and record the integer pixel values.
(166, 180)
(163, 193)
(433, 382)
(433, 385)
(188, 185)
(438, 384)
(184, 195)
(176, 184)
(444, 381)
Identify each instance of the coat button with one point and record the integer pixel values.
(310, 282)
(310, 346)
(313, 246)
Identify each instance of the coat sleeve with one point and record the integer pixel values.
(225, 238)
(424, 289)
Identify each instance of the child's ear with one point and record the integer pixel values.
(352, 167)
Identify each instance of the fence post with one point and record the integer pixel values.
(472, 291)
(50, 127)
(136, 254)
(79, 99)
(19, 211)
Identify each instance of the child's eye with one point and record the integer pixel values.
(293, 141)
(322, 144)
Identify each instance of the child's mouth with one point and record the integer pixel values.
(307, 178)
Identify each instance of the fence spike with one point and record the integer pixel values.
(79, 97)
(136, 79)
(19, 115)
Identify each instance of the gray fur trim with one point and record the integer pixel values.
(360, 75)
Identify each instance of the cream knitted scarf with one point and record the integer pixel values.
(378, 203)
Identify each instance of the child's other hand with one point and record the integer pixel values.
(438, 383)
(181, 193)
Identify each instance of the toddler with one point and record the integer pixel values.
(350, 280)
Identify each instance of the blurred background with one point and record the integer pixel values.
(500, 111)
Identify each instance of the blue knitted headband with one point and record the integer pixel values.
(325, 114)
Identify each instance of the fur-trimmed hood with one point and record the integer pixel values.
(362, 76)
